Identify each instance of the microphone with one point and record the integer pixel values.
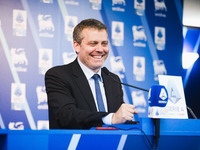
(107, 72)
(158, 97)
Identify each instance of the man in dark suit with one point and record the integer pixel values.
(71, 89)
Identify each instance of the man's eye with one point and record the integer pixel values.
(105, 44)
(93, 43)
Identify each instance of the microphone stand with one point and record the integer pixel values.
(156, 122)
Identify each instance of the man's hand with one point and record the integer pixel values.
(123, 114)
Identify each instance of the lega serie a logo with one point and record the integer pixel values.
(163, 94)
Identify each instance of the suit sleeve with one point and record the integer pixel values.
(65, 112)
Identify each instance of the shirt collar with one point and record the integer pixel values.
(88, 73)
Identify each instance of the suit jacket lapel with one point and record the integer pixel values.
(83, 85)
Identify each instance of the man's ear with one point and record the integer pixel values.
(76, 46)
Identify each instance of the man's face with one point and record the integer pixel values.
(93, 50)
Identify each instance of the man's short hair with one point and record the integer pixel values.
(88, 23)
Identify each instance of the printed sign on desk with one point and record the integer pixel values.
(176, 106)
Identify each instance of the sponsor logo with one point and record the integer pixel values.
(159, 68)
(139, 37)
(19, 22)
(96, 4)
(42, 97)
(117, 33)
(139, 6)
(18, 96)
(160, 38)
(70, 23)
(160, 8)
(139, 101)
(117, 66)
(173, 92)
(139, 68)
(68, 57)
(16, 125)
(117, 5)
(45, 60)
(72, 2)
(47, 1)
(46, 26)
(163, 95)
(42, 124)
(19, 59)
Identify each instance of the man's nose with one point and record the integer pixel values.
(99, 47)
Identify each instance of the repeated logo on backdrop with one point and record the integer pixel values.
(139, 37)
(49, 30)
(19, 22)
(18, 96)
(46, 26)
(117, 33)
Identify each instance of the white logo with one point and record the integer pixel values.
(71, 2)
(121, 2)
(18, 96)
(45, 23)
(18, 56)
(45, 60)
(16, 126)
(42, 97)
(139, 68)
(138, 33)
(174, 94)
(70, 22)
(159, 68)
(117, 33)
(139, 6)
(160, 5)
(68, 57)
(19, 22)
(160, 38)
(163, 94)
(138, 98)
(117, 65)
(47, 1)
(96, 4)
(42, 124)
(139, 101)
(41, 94)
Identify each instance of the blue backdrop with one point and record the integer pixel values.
(145, 40)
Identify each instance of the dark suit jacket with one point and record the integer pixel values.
(70, 100)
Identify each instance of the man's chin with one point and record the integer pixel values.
(96, 68)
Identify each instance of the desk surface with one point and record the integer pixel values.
(174, 134)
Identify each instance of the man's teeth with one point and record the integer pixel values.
(97, 56)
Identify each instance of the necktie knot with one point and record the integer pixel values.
(95, 76)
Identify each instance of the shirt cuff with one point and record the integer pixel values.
(108, 119)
